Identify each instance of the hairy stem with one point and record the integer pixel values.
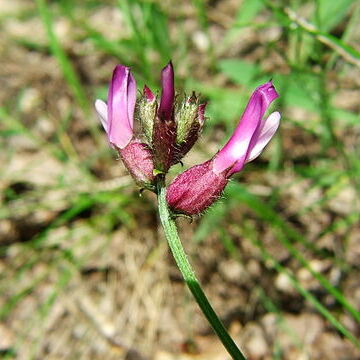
(189, 276)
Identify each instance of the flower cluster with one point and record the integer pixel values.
(170, 129)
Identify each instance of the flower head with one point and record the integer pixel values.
(169, 129)
(197, 188)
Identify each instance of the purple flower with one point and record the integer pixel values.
(198, 187)
(117, 118)
(252, 134)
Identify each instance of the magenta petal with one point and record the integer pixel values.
(167, 93)
(121, 105)
(164, 130)
(233, 155)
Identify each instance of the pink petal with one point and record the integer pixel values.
(263, 135)
(131, 92)
(233, 155)
(121, 105)
(101, 109)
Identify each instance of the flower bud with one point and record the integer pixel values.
(190, 120)
(164, 136)
(147, 108)
(186, 118)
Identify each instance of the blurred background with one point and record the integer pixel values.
(85, 271)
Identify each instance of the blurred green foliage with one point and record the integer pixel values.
(312, 53)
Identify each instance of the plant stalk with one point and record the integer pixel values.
(189, 276)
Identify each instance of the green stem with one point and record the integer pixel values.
(189, 276)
